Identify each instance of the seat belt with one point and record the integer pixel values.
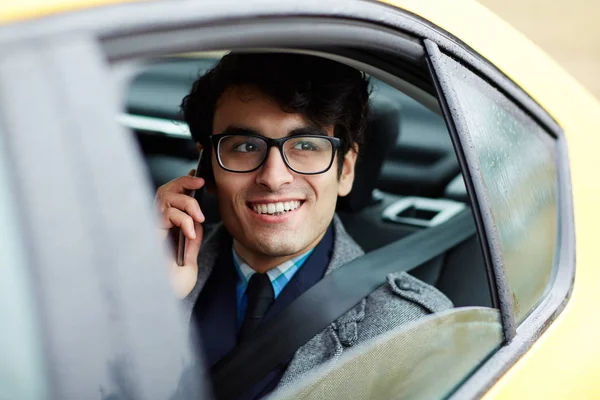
(330, 298)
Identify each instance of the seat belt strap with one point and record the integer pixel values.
(330, 298)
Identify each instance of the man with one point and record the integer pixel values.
(281, 134)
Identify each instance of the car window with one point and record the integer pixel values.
(409, 151)
(423, 161)
(517, 164)
(22, 370)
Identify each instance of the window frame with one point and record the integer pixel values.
(123, 28)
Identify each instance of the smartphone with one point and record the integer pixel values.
(181, 239)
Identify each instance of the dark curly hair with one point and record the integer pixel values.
(324, 91)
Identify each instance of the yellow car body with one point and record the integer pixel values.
(564, 360)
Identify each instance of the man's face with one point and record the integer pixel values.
(259, 235)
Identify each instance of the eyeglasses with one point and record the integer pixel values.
(303, 154)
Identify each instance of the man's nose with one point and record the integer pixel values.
(274, 174)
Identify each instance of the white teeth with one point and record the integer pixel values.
(272, 208)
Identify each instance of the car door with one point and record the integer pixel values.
(94, 239)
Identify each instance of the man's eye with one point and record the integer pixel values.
(245, 147)
(306, 146)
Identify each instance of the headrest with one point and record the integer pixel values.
(381, 135)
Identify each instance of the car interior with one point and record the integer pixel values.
(407, 147)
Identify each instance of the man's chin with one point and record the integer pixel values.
(278, 249)
(279, 244)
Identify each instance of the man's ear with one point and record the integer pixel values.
(347, 175)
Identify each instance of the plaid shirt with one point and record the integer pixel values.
(279, 276)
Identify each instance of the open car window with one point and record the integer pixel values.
(418, 185)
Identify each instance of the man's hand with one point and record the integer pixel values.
(180, 211)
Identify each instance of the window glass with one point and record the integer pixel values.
(426, 359)
(22, 374)
(517, 163)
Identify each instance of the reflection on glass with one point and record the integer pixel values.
(517, 163)
(425, 359)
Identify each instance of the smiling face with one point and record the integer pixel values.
(304, 204)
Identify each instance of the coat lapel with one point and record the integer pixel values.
(215, 311)
(207, 258)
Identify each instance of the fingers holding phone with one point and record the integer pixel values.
(184, 277)
(177, 208)
(181, 216)
(182, 235)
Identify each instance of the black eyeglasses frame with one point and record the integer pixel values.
(335, 145)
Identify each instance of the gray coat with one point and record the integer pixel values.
(402, 299)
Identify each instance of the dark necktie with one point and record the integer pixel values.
(260, 297)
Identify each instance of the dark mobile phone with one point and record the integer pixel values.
(181, 240)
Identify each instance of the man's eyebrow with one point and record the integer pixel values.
(307, 130)
(240, 130)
